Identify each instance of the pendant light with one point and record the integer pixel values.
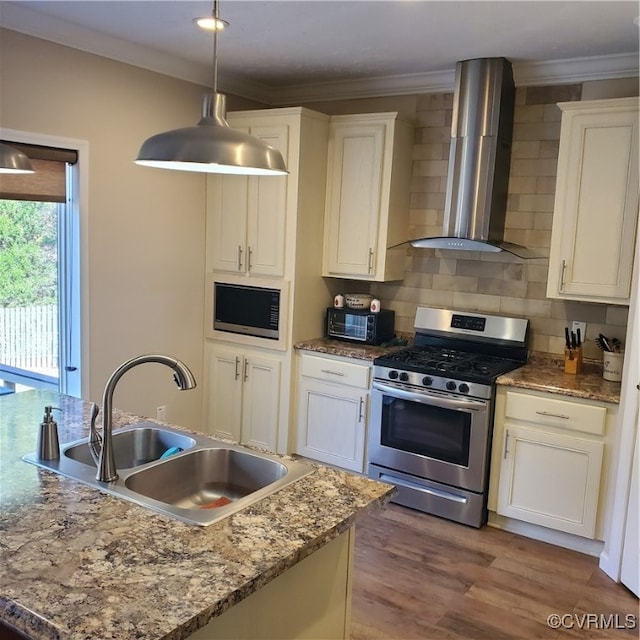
(212, 146)
(13, 160)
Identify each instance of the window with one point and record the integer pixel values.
(39, 274)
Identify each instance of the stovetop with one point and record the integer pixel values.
(451, 363)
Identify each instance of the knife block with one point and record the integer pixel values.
(573, 360)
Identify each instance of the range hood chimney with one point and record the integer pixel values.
(479, 159)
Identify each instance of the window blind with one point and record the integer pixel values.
(48, 183)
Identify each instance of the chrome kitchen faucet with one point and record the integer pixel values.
(101, 447)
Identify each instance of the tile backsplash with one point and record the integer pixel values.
(488, 282)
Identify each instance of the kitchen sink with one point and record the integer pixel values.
(134, 447)
(207, 481)
(202, 478)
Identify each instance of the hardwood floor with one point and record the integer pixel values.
(420, 577)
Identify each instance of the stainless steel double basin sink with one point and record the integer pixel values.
(196, 479)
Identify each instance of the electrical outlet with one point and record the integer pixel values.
(161, 413)
(575, 325)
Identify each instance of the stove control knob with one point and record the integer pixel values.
(393, 375)
(404, 376)
(451, 385)
(463, 388)
(427, 381)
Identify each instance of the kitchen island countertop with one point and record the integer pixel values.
(80, 564)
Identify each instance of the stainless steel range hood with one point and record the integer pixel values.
(479, 159)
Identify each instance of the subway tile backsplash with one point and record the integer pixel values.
(495, 283)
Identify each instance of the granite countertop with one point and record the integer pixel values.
(345, 349)
(78, 564)
(545, 372)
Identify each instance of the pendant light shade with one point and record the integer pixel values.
(13, 160)
(212, 146)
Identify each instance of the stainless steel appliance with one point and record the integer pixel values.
(360, 325)
(246, 309)
(432, 410)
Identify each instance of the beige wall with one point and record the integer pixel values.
(144, 263)
(492, 283)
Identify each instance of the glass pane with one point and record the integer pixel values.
(430, 431)
(28, 293)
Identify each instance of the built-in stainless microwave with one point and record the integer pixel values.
(247, 309)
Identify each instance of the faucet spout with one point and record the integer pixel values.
(102, 447)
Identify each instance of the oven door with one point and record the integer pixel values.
(430, 434)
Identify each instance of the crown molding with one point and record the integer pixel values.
(576, 70)
(20, 18)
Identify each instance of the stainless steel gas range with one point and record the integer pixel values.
(432, 410)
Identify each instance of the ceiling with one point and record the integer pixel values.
(296, 51)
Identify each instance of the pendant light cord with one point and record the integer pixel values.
(216, 17)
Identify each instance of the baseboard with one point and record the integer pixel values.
(544, 534)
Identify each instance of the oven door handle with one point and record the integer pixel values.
(426, 397)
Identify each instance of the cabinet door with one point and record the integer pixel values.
(353, 199)
(596, 205)
(267, 207)
(224, 393)
(260, 401)
(550, 479)
(227, 210)
(331, 424)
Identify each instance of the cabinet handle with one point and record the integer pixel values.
(239, 258)
(249, 253)
(332, 373)
(246, 370)
(237, 373)
(506, 444)
(360, 409)
(370, 260)
(552, 415)
(562, 271)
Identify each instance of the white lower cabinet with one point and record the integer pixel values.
(549, 461)
(333, 398)
(550, 479)
(243, 392)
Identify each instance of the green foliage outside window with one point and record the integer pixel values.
(28, 253)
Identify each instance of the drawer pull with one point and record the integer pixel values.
(552, 415)
(332, 373)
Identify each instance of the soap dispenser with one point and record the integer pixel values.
(48, 445)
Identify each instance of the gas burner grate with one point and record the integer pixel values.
(449, 362)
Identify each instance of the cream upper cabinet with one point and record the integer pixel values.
(246, 216)
(596, 202)
(367, 201)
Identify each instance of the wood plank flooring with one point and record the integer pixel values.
(421, 577)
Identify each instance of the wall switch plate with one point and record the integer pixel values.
(575, 325)
(161, 413)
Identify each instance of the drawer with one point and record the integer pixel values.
(564, 414)
(354, 375)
